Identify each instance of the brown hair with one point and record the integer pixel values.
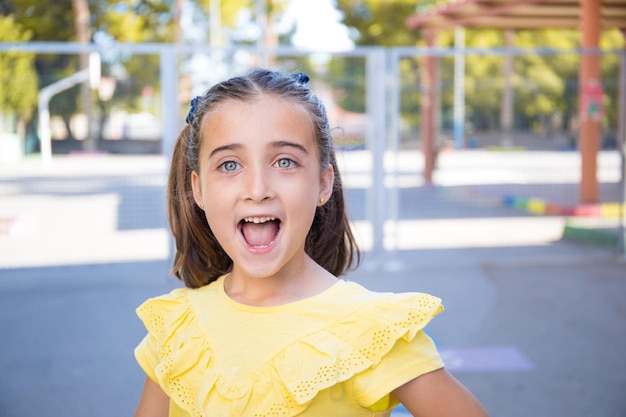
(199, 257)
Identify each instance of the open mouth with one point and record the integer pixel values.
(259, 232)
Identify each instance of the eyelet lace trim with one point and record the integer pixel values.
(187, 361)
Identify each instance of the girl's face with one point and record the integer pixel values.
(260, 182)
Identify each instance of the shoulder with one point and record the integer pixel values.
(352, 297)
(398, 313)
(174, 344)
(372, 334)
(163, 311)
(367, 323)
(376, 323)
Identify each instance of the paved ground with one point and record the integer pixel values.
(534, 325)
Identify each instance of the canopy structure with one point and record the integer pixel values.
(589, 16)
(518, 14)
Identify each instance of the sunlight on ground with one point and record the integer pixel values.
(98, 209)
(463, 233)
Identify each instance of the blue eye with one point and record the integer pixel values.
(284, 163)
(229, 166)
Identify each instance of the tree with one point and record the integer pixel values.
(483, 78)
(545, 85)
(83, 35)
(612, 40)
(49, 21)
(134, 21)
(18, 77)
(115, 21)
(380, 22)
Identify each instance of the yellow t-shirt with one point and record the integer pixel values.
(339, 353)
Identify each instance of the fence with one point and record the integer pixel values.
(372, 96)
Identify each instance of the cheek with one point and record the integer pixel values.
(302, 195)
(214, 201)
(216, 218)
(303, 200)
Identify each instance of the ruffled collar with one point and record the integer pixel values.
(192, 377)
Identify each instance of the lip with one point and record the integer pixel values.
(272, 244)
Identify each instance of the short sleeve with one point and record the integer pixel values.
(173, 352)
(147, 355)
(405, 361)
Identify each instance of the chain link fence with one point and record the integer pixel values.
(96, 193)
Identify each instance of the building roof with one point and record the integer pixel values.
(516, 14)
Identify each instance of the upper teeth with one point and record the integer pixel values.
(258, 219)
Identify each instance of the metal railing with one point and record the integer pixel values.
(384, 119)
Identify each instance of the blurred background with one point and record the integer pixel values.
(481, 145)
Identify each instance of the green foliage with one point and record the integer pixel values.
(45, 20)
(134, 20)
(49, 21)
(484, 79)
(611, 40)
(347, 78)
(379, 22)
(410, 92)
(18, 78)
(142, 72)
(230, 9)
(545, 85)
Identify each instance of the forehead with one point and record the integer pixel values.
(252, 104)
(264, 116)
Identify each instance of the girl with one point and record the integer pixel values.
(264, 327)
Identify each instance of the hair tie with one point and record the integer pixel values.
(301, 77)
(192, 110)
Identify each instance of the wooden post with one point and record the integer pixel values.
(427, 110)
(590, 78)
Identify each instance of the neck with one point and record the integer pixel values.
(282, 288)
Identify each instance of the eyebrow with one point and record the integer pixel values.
(229, 147)
(277, 144)
(283, 143)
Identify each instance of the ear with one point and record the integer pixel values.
(327, 180)
(197, 189)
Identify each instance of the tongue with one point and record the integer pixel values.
(260, 234)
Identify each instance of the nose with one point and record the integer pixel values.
(258, 185)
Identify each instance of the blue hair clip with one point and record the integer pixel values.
(192, 110)
(301, 77)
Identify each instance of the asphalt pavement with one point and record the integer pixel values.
(534, 325)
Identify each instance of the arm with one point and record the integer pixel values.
(153, 402)
(438, 394)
